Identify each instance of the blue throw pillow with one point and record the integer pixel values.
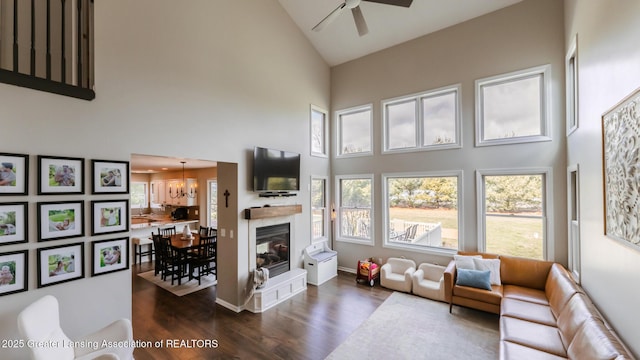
(474, 278)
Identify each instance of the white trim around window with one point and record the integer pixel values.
(421, 248)
(319, 131)
(358, 227)
(340, 143)
(547, 205)
(502, 129)
(319, 208)
(420, 132)
(571, 86)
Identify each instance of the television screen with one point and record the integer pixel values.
(275, 170)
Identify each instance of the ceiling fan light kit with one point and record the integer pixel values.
(356, 12)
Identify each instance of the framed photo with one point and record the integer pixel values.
(319, 130)
(109, 256)
(58, 264)
(13, 272)
(13, 223)
(60, 175)
(110, 177)
(14, 174)
(620, 147)
(60, 220)
(109, 216)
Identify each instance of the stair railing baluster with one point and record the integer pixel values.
(33, 38)
(63, 56)
(15, 36)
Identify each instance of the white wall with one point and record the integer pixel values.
(609, 70)
(521, 36)
(204, 79)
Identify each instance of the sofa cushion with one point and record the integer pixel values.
(528, 273)
(493, 265)
(465, 262)
(511, 350)
(527, 333)
(573, 315)
(525, 294)
(492, 297)
(529, 311)
(474, 278)
(594, 341)
(559, 288)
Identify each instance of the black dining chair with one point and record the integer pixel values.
(205, 258)
(168, 231)
(204, 230)
(173, 263)
(157, 259)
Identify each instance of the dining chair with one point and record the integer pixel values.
(205, 259)
(157, 260)
(173, 263)
(204, 230)
(168, 231)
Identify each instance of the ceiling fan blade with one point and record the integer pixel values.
(403, 3)
(329, 18)
(361, 25)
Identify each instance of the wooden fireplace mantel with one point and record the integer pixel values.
(271, 211)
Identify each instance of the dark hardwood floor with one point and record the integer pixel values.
(307, 326)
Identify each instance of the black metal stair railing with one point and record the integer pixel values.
(60, 46)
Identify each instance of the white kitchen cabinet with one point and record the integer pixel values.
(158, 193)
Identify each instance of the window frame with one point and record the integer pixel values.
(339, 131)
(325, 209)
(209, 204)
(419, 117)
(338, 201)
(147, 198)
(571, 86)
(545, 105)
(547, 204)
(325, 130)
(418, 248)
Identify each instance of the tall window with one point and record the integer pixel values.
(355, 213)
(514, 212)
(571, 71)
(424, 121)
(319, 214)
(139, 196)
(422, 211)
(318, 132)
(513, 108)
(213, 202)
(354, 131)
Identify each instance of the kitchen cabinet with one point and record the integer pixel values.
(158, 193)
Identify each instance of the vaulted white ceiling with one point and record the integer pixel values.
(388, 25)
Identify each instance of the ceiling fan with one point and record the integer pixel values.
(358, 18)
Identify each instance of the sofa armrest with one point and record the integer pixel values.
(449, 279)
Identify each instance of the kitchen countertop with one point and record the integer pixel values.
(151, 221)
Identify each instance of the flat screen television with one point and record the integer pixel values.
(275, 170)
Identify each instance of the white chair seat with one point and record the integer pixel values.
(428, 281)
(396, 274)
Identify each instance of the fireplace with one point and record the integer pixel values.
(272, 248)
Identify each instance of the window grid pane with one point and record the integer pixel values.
(139, 195)
(439, 119)
(355, 132)
(423, 211)
(514, 215)
(318, 208)
(317, 132)
(401, 125)
(355, 208)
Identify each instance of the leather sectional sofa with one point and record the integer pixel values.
(544, 314)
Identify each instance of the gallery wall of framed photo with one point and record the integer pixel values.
(63, 214)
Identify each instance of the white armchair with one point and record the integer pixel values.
(428, 281)
(39, 323)
(396, 274)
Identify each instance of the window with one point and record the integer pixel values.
(318, 132)
(355, 213)
(424, 121)
(354, 131)
(319, 214)
(513, 213)
(513, 108)
(423, 211)
(139, 196)
(571, 70)
(213, 202)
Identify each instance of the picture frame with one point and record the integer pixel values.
(60, 220)
(108, 256)
(14, 174)
(620, 146)
(59, 264)
(109, 216)
(14, 267)
(110, 177)
(60, 175)
(13, 223)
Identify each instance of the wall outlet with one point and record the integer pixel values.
(231, 234)
(223, 232)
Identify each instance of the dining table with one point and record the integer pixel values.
(183, 246)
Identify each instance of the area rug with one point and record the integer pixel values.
(183, 289)
(410, 327)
